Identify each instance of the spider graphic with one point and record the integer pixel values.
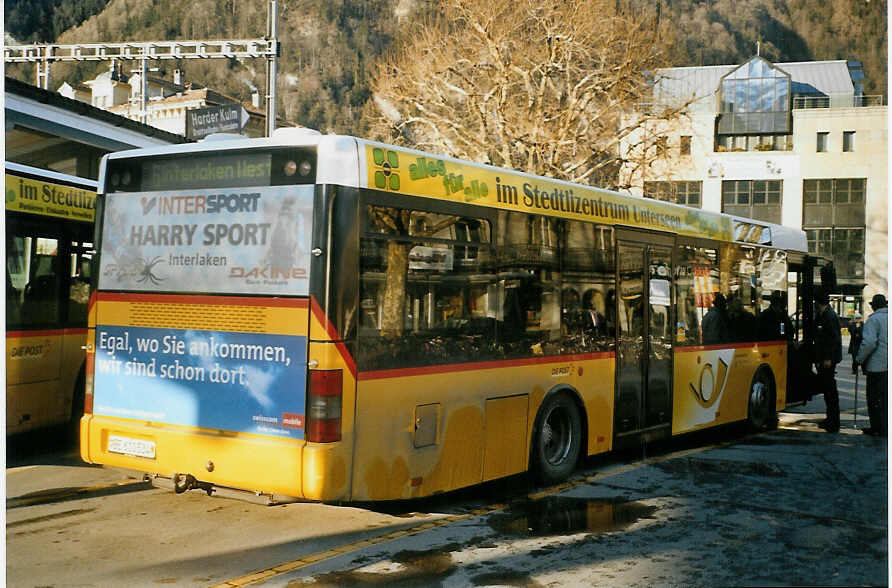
(146, 274)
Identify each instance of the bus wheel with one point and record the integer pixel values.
(761, 413)
(557, 439)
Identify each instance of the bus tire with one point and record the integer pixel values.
(761, 412)
(557, 439)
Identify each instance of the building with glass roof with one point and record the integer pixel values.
(792, 143)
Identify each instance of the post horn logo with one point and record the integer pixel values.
(388, 162)
(711, 384)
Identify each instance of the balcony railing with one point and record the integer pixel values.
(840, 101)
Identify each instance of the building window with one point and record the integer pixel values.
(686, 193)
(833, 202)
(754, 143)
(685, 145)
(823, 142)
(848, 140)
(756, 199)
(845, 246)
(755, 98)
(834, 191)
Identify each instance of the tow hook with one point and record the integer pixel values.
(184, 482)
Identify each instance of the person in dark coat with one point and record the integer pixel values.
(715, 323)
(741, 322)
(774, 324)
(828, 353)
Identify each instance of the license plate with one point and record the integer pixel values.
(128, 446)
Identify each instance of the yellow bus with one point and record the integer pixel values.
(334, 319)
(49, 245)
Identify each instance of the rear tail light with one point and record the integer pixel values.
(324, 406)
(88, 383)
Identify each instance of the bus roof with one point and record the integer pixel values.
(21, 169)
(354, 162)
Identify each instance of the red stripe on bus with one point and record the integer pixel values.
(332, 332)
(40, 333)
(483, 365)
(728, 346)
(204, 299)
(330, 329)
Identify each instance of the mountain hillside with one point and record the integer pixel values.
(330, 48)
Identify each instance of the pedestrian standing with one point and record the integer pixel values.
(873, 355)
(828, 353)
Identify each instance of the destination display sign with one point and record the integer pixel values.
(49, 199)
(407, 172)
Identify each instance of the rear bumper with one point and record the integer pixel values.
(237, 460)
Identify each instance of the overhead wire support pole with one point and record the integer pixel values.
(155, 50)
(43, 55)
(272, 66)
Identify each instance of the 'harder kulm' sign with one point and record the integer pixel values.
(226, 118)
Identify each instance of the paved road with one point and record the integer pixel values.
(793, 506)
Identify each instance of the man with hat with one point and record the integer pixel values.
(828, 353)
(873, 356)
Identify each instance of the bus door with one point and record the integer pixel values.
(801, 380)
(644, 347)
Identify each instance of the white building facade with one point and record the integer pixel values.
(791, 143)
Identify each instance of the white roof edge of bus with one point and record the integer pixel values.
(27, 169)
(781, 237)
(338, 161)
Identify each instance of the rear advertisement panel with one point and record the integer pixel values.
(221, 241)
(241, 382)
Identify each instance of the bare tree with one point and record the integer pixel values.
(542, 87)
(548, 88)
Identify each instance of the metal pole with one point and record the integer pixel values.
(272, 69)
(143, 88)
(855, 415)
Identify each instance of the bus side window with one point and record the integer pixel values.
(40, 297)
(588, 300)
(438, 267)
(696, 283)
(527, 251)
(15, 279)
(79, 288)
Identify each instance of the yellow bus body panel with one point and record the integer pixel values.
(712, 384)
(237, 460)
(429, 430)
(41, 375)
(327, 466)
